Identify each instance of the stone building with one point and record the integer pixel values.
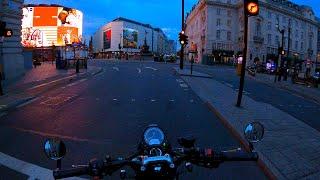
(11, 52)
(216, 28)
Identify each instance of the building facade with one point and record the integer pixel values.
(11, 52)
(130, 36)
(216, 27)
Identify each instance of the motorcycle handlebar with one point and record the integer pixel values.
(78, 171)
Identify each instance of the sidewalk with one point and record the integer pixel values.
(290, 148)
(302, 90)
(39, 80)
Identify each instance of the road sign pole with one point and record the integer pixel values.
(243, 68)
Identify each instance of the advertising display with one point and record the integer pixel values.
(107, 39)
(130, 38)
(50, 25)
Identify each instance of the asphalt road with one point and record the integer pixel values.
(303, 109)
(106, 114)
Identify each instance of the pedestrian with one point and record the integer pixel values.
(308, 66)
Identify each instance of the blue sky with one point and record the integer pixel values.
(165, 14)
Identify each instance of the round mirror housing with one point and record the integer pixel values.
(54, 149)
(254, 132)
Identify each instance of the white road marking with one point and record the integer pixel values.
(116, 68)
(171, 100)
(97, 99)
(191, 100)
(151, 68)
(133, 100)
(115, 99)
(77, 82)
(44, 84)
(179, 80)
(31, 170)
(230, 85)
(152, 100)
(139, 70)
(184, 85)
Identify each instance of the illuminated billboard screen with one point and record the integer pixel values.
(47, 26)
(130, 38)
(107, 39)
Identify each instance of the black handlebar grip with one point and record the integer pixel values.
(79, 171)
(239, 156)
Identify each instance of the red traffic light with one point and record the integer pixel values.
(252, 7)
(8, 32)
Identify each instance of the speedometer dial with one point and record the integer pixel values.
(153, 136)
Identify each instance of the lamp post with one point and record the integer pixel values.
(280, 52)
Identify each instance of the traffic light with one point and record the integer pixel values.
(251, 7)
(183, 39)
(3, 31)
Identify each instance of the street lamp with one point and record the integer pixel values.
(281, 52)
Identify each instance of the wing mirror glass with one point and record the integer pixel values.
(254, 132)
(54, 149)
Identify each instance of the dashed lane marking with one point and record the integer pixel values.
(116, 68)
(171, 100)
(229, 85)
(151, 68)
(153, 100)
(183, 85)
(115, 99)
(139, 70)
(77, 82)
(179, 80)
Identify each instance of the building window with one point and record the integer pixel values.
(229, 36)
(269, 38)
(310, 41)
(258, 28)
(296, 45)
(276, 42)
(297, 33)
(218, 22)
(229, 22)
(269, 14)
(218, 35)
(269, 25)
(284, 19)
(229, 13)
(218, 11)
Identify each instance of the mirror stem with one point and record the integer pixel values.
(59, 164)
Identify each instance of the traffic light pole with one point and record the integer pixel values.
(182, 46)
(243, 68)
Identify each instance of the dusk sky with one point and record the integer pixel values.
(165, 14)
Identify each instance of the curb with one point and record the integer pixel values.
(283, 87)
(191, 75)
(261, 162)
(15, 104)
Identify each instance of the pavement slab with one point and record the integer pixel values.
(285, 149)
